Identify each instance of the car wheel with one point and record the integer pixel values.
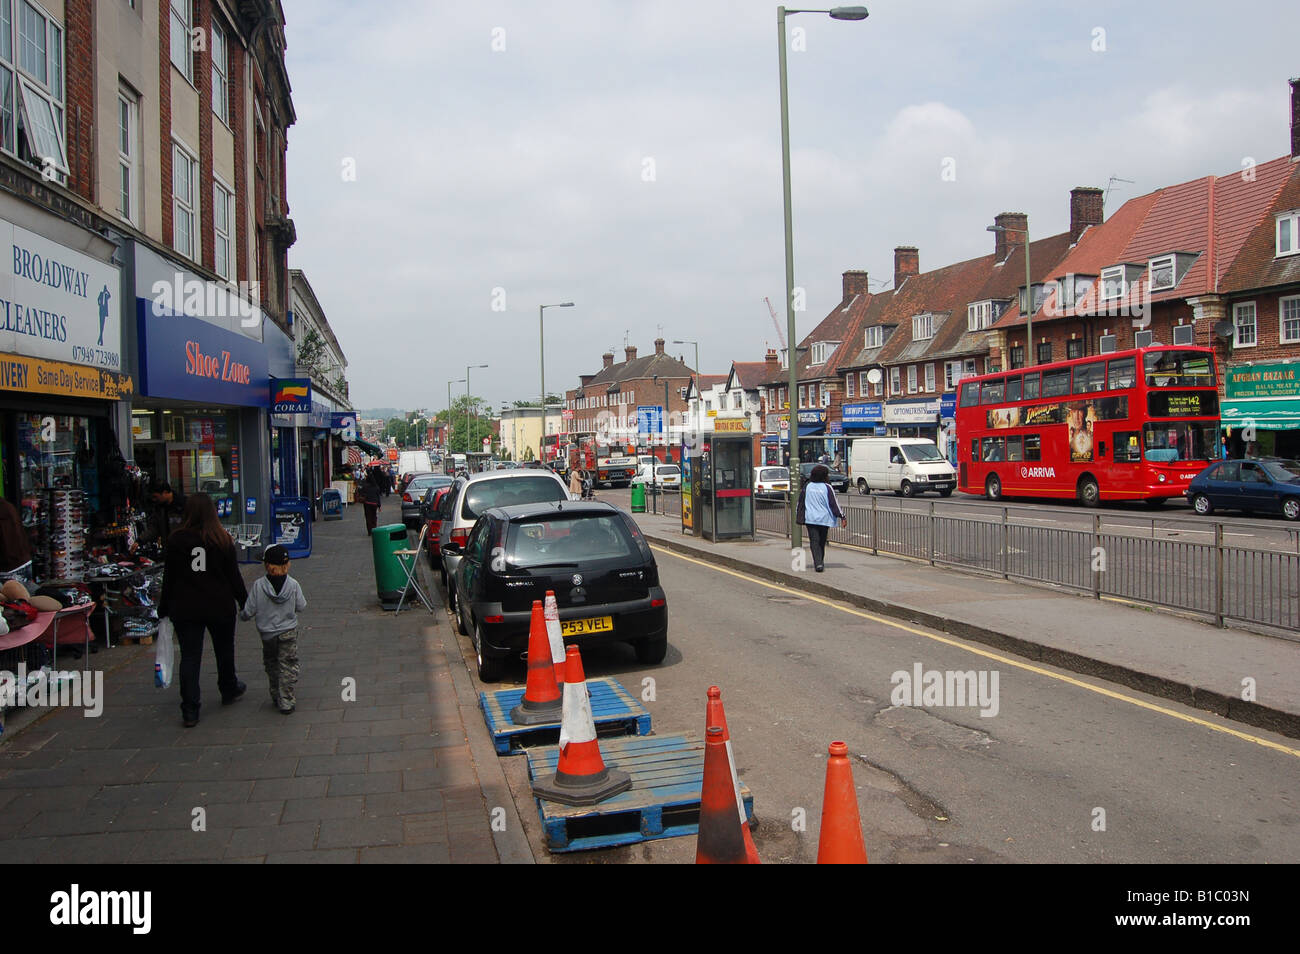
(1291, 508)
(993, 487)
(907, 490)
(651, 652)
(863, 489)
(1088, 491)
(489, 667)
(460, 618)
(1201, 504)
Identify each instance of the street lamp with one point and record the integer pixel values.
(541, 352)
(838, 13)
(467, 448)
(446, 446)
(698, 425)
(1030, 358)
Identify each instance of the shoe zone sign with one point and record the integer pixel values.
(291, 395)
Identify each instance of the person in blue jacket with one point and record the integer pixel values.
(819, 511)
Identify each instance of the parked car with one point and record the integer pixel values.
(1271, 485)
(771, 483)
(837, 479)
(592, 555)
(431, 511)
(474, 493)
(903, 465)
(413, 496)
(667, 476)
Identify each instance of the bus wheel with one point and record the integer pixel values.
(1088, 491)
(993, 487)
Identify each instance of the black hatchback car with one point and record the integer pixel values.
(591, 554)
(1271, 485)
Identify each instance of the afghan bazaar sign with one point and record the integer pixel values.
(1263, 380)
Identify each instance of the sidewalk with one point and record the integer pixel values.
(405, 773)
(1184, 660)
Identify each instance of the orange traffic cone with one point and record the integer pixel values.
(841, 836)
(542, 701)
(581, 777)
(556, 637)
(719, 841)
(714, 715)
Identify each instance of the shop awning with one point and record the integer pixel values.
(1270, 414)
(811, 430)
(374, 450)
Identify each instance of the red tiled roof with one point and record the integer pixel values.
(1257, 264)
(749, 374)
(836, 326)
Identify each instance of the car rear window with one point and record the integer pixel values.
(669, 470)
(774, 473)
(563, 539)
(480, 495)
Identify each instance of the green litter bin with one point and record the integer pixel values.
(638, 498)
(390, 576)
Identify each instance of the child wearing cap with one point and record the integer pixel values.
(275, 602)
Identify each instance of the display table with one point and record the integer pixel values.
(26, 634)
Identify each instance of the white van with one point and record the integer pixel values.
(414, 462)
(905, 465)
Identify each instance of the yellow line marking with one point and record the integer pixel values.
(987, 654)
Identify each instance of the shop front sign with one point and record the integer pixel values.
(912, 412)
(290, 395)
(38, 376)
(866, 414)
(194, 360)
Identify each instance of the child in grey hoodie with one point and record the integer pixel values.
(275, 602)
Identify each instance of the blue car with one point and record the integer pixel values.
(1271, 485)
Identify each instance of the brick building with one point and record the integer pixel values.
(605, 401)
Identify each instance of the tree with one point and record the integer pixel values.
(550, 400)
(340, 385)
(313, 354)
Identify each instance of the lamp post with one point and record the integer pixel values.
(698, 424)
(1030, 357)
(446, 446)
(467, 438)
(838, 13)
(541, 353)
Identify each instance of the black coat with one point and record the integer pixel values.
(216, 592)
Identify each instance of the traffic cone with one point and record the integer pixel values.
(720, 841)
(555, 636)
(841, 836)
(581, 777)
(714, 715)
(542, 701)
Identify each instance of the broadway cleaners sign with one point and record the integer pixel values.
(57, 303)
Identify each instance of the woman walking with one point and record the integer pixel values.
(368, 492)
(575, 481)
(818, 511)
(202, 589)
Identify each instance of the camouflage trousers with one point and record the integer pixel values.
(280, 656)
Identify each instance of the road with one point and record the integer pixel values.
(1067, 769)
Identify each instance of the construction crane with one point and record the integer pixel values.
(776, 322)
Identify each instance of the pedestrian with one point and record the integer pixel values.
(368, 492)
(202, 589)
(275, 602)
(575, 481)
(15, 545)
(818, 510)
(165, 510)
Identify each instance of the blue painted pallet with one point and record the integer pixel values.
(664, 800)
(615, 711)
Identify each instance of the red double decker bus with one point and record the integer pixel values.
(1129, 425)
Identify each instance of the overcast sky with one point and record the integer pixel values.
(627, 156)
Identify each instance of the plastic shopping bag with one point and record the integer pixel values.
(164, 660)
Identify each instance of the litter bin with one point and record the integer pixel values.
(638, 498)
(331, 504)
(390, 577)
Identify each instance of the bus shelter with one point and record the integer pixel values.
(718, 486)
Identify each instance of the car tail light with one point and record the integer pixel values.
(494, 619)
(460, 537)
(657, 602)
(406, 498)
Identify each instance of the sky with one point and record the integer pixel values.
(455, 165)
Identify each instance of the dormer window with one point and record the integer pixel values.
(1041, 291)
(1288, 233)
(1072, 289)
(979, 315)
(922, 327)
(1113, 284)
(822, 351)
(875, 336)
(1160, 273)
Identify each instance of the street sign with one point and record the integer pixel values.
(649, 419)
(487, 443)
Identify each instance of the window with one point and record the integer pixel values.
(735, 400)
(864, 386)
(223, 216)
(991, 392)
(1160, 273)
(970, 394)
(1126, 447)
(951, 374)
(911, 379)
(929, 377)
(220, 75)
(1031, 387)
(979, 315)
(1056, 383)
(1017, 353)
(1122, 373)
(895, 381)
(1243, 325)
(32, 97)
(922, 327)
(1044, 352)
(1288, 233)
(1288, 312)
(1112, 282)
(1090, 377)
(1033, 447)
(185, 191)
(826, 396)
(801, 396)
(1014, 388)
(1074, 349)
(848, 385)
(182, 55)
(128, 119)
(875, 336)
(822, 350)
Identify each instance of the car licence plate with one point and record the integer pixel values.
(581, 627)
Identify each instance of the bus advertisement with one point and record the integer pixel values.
(1129, 425)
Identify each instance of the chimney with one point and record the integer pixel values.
(659, 346)
(855, 283)
(772, 364)
(1295, 118)
(907, 261)
(629, 352)
(1085, 210)
(1016, 225)
(608, 358)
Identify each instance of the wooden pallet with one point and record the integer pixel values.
(664, 801)
(615, 711)
(136, 640)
